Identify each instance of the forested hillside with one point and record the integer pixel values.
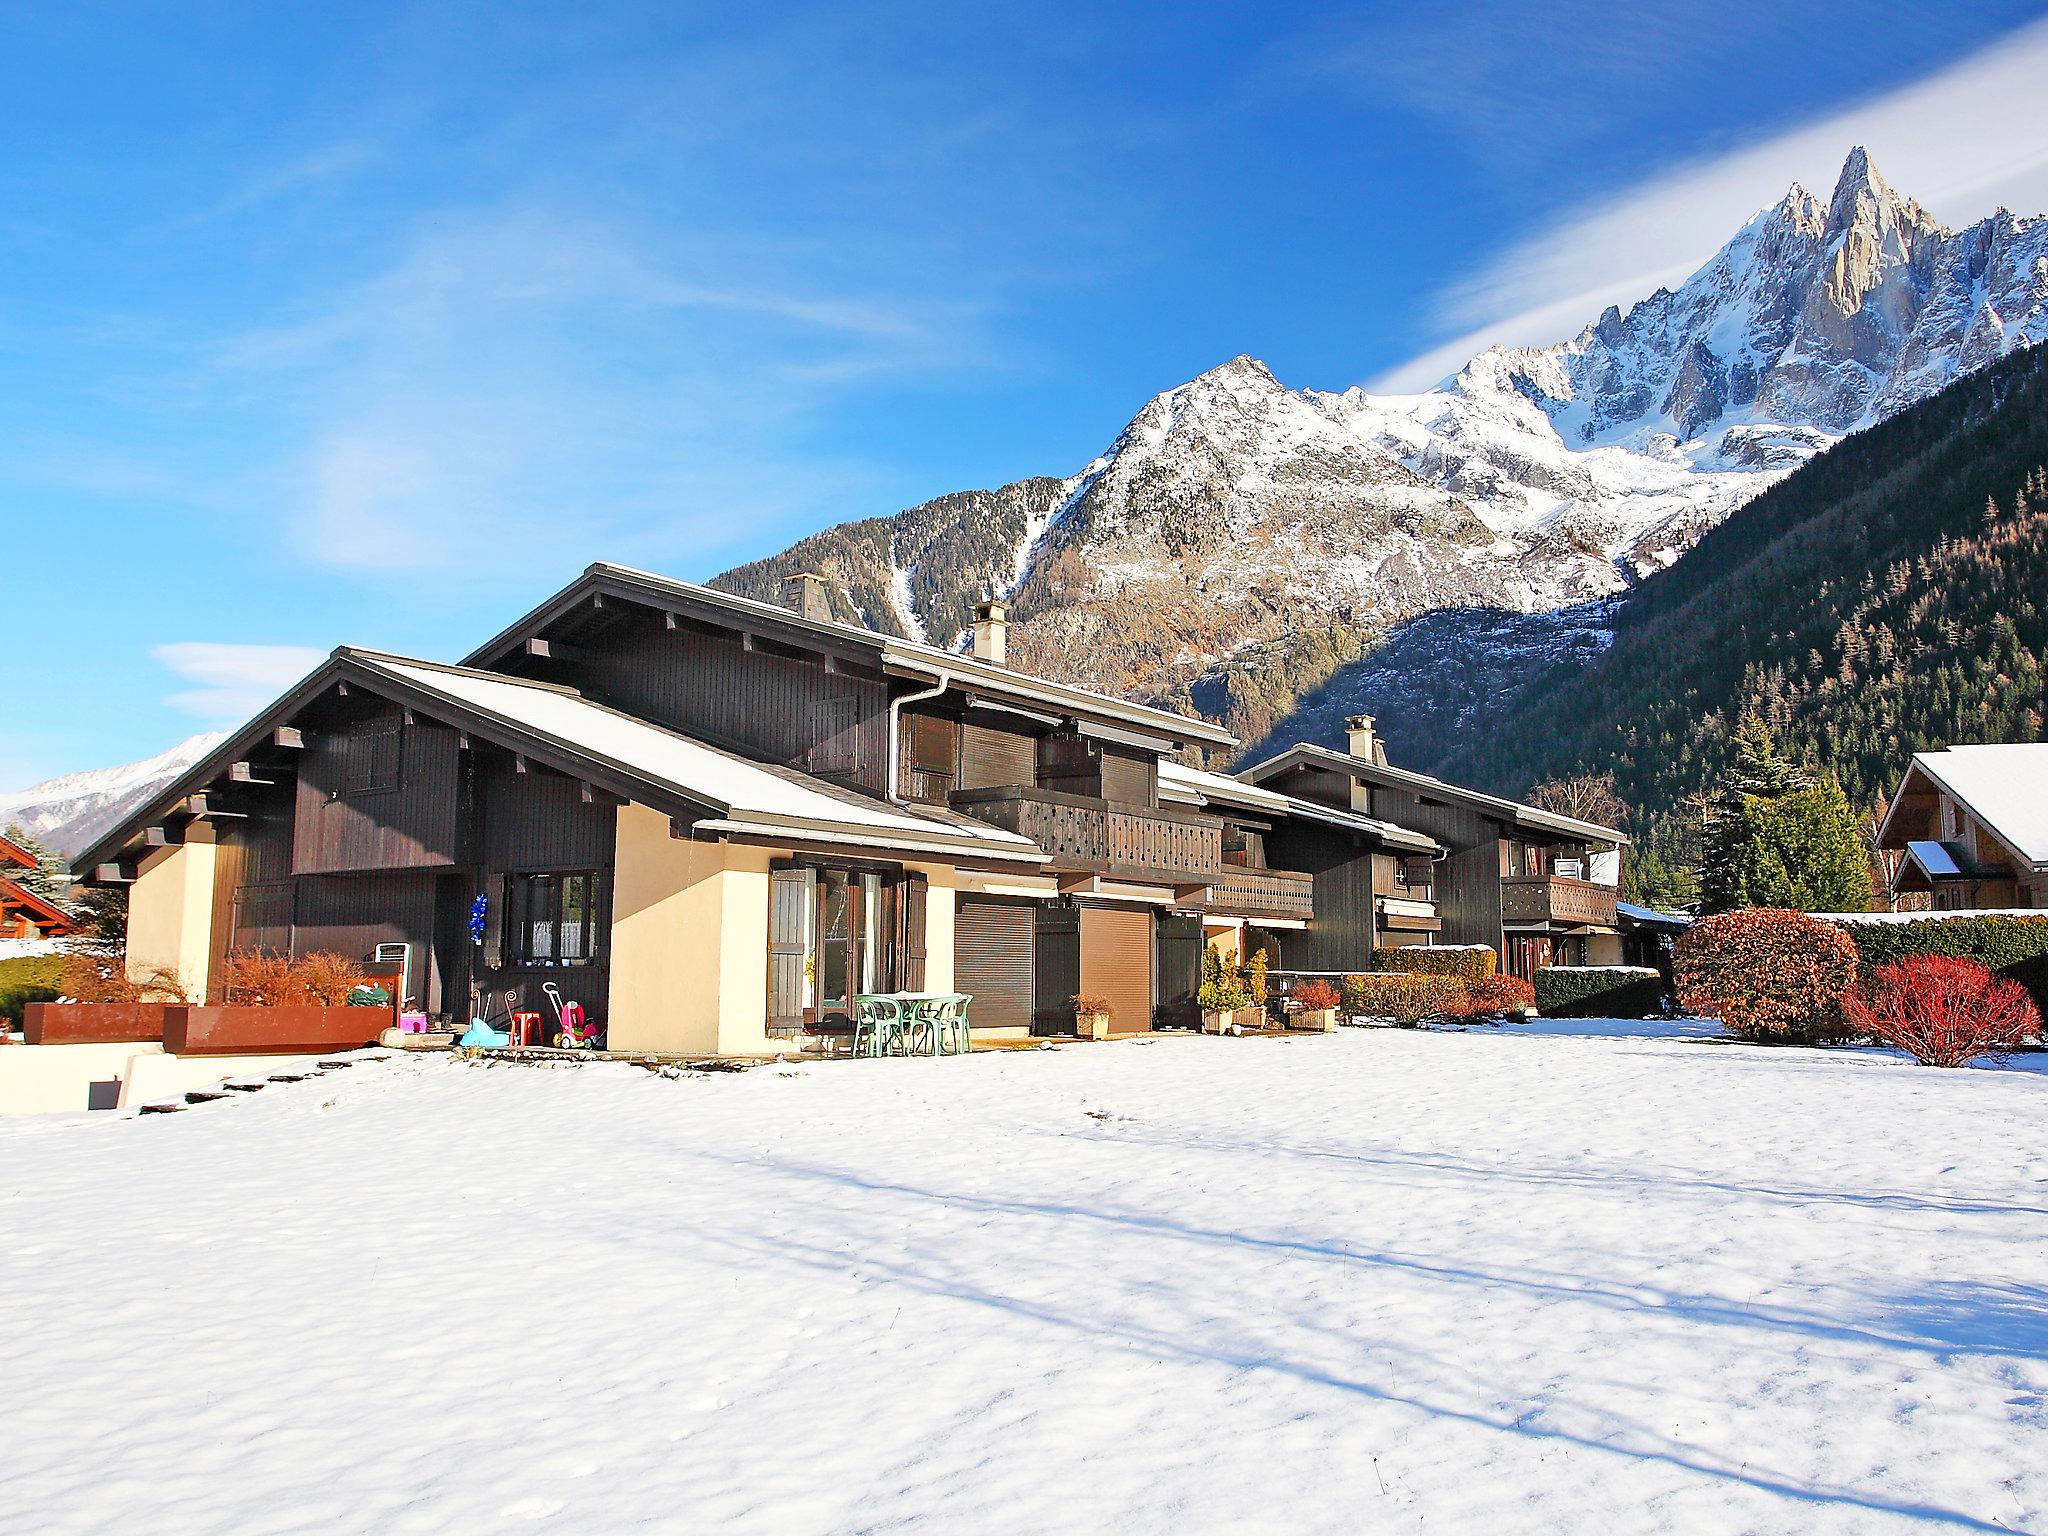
(1890, 595)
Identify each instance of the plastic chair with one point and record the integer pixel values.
(878, 1025)
(949, 1021)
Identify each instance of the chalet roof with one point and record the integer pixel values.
(1199, 787)
(2003, 785)
(1305, 754)
(750, 797)
(40, 909)
(925, 662)
(13, 855)
(560, 729)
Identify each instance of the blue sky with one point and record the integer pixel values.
(373, 324)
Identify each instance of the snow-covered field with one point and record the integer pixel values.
(1565, 1279)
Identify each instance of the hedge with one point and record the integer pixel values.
(1769, 974)
(2014, 947)
(1599, 991)
(1405, 997)
(1468, 962)
(28, 979)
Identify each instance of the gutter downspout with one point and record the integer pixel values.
(896, 727)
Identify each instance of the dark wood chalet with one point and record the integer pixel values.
(1537, 887)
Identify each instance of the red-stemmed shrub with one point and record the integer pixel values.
(1769, 974)
(1498, 996)
(1945, 1011)
(1315, 996)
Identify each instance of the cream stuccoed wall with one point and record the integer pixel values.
(170, 913)
(689, 941)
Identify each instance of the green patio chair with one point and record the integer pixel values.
(878, 1025)
(949, 1022)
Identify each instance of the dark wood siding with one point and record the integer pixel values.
(762, 700)
(1116, 963)
(1468, 882)
(1340, 935)
(992, 758)
(1057, 956)
(992, 955)
(343, 827)
(1180, 970)
(351, 915)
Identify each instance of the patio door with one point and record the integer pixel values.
(836, 931)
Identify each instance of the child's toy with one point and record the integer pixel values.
(527, 1025)
(481, 1037)
(573, 1027)
(414, 1023)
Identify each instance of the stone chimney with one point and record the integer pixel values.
(992, 633)
(1360, 740)
(807, 594)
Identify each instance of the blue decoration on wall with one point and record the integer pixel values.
(478, 911)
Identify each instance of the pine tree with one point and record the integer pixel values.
(1779, 838)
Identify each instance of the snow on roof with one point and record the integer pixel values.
(1933, 858)
(1651, 915)
(1195, 786)
(2004, 785)
(751, 795)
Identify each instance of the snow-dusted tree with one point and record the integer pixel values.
(51, 876)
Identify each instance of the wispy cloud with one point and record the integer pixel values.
(235, 680)
(1961, 140)
(524, 378)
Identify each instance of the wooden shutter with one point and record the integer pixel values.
(835, 736)
(1116, 963)
(992, 943)
(498, 889)
(1128, 779)
(1180, 969)
(911, 935)
(790, 902)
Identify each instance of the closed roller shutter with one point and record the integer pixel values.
(1128, 779)
(992, 759)
(1116, 963)
(992, 961)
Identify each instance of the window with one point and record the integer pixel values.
(370, 757)
(835, 932)
(555, 919)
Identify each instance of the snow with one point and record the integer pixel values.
(1564, 1277)
(900, 577)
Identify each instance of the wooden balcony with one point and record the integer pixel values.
(1556, 899)
(1102, 837)
(1263, 893)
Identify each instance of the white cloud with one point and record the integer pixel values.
(236, 680)
(1962, 140)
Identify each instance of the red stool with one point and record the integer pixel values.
(526, 1028)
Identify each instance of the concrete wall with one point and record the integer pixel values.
(69, 1079)
(170, 913)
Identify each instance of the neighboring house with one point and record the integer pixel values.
(1514, 877)
(23, 913)
(714, 821)
(1969, 828)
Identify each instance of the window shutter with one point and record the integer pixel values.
(499, 889)
(790, 900)
(835, 736)
(911, 972)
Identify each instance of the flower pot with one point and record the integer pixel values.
(1316, 1018)
(1092, 1026)
(91, 1023)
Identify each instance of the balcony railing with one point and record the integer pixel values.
(1263, 893)
(1100, 837)
(1555, 899)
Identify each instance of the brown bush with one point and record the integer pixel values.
(1315, 996)
(272, 981)
(1769, 974)
(105, 979)
(1407, 999)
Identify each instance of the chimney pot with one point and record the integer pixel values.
(992, 633)
(807, 594)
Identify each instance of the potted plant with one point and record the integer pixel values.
(1318, 1000)
(273, 1005)
(1222, 995)
(1092, 1014)
(102, 1004)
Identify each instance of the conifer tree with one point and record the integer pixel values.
(50, 878)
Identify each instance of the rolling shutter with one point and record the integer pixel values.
(992, 961)
(790, 902)
(1180, 969)
(992, 759)
(1116, 963)
(1129, 779)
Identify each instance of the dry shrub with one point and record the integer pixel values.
(1498, 996)
(253, 978)
(1090, 1002)
(1315, 996)
(1945, 1011)
(105, 979)
(1405, 998)
(1769, 974)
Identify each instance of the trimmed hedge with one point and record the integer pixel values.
(1406, 998)
(28, 979)
(1599, 991)
(1467, 962)
(2013, 947)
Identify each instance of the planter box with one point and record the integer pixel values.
(91, 1023)
(1092, 1026)
(1214, 1023)
(1316, 1018)
(236, 1029)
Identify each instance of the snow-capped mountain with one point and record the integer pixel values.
(71, 811)
(1240, 540)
